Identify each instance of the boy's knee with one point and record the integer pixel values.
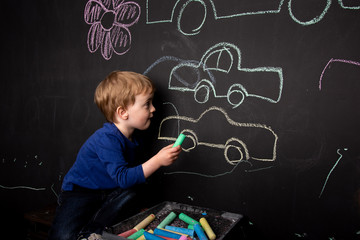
(61, 235)
(61, 231)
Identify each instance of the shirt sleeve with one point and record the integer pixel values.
(112, 153)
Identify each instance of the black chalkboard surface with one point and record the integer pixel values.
(266, 91)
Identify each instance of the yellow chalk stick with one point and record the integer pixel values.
(145, 222)
(204, 223)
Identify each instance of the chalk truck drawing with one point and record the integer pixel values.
(223, 62)
(173, 10)
(247, 141)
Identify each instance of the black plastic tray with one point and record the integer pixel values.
(223, 223)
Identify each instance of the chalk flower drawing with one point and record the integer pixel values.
(110, 22)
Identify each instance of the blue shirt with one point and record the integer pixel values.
(105, 161)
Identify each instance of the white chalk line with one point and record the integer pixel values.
(22, 187)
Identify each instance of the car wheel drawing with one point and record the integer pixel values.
(236, 95)
(237, 146)
(192, 138)
(202, 91)
(200, 13)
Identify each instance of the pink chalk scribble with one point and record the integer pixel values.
(110, 21)
(335, 60)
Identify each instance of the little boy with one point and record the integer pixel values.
(101, 181)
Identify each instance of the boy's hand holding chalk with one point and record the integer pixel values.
(170, 153)
(165, 157)
(179, 140)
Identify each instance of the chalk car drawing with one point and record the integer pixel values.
(246, 141)
(219, 71)
(174, 11)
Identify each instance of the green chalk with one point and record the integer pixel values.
(137, 234)
(191, 226)
(179, 140)
(167, 220)
(188, 219)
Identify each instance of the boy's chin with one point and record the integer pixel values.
(147, 125)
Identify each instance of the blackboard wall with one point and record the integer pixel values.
(297, 63)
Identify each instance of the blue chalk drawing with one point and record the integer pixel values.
(258, 169)
(220, 72)
(220, 174)
(203, 175)
(332, 169)
(173, 11)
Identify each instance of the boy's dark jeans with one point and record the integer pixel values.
(85, 211)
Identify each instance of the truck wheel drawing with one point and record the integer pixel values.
(219, 74)
(243, 143)
(174, 11)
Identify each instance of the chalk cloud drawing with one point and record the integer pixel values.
(173, 10)
(223, 62)
(242, 139)
(110, 22)
(335, 60)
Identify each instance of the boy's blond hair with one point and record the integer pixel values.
(119, 89)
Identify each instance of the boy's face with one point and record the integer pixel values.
(140, 113)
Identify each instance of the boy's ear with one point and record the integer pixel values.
(122, 113)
